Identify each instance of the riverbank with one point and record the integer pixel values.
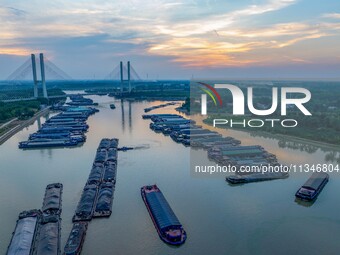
(22, 124)
(282, 136)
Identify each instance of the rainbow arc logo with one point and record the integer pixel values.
(211, 91)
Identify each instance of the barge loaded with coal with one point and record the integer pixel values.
(76, 239)
(48, 237)
(24, 234)
(169, 228)
(312, 187)
(38, 231)
(97, 196)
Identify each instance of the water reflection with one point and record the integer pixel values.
(130, 118)
(123, 115)
(297, 146)
(304, 203)
(247, 219)
(332, 155)
(39, 123)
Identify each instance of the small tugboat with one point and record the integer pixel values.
(169, 228)
(112, 106)
(125, 148)
(76, 239)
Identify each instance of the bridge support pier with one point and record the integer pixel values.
(42, 70)
(34, 71)
(35, 79)
(122, 77)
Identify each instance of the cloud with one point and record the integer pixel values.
(332, 15)
(193, 34)
(207, 24)
(7, 11)
(14, 51)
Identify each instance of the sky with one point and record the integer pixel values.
(175, 39)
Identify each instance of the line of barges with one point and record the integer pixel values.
(158, 106)
(97, 196)
(66, 129)
(226, 151)
(37, 232)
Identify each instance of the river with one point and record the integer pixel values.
(258, 218)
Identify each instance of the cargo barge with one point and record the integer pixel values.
(169, 228)
(47, 144)
(86, 204)
(312, 187)
(256, 177)
(104, 200)
(158, 106)
(52, 199)
(23, 237)
(97, 197)
(48, 238)
(96, 174)
(110, 172)
(149, 116)
(76, 239)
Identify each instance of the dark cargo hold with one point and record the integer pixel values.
(104, 144)
(24, 233)
(52, 199)
(110, 172)
(112, 155)
(101, 156)
(96, 174)
(104, 201)
(48, 240)
(85, 207)
(76, 239)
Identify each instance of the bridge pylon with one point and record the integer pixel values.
(42, 72)
(122, 81)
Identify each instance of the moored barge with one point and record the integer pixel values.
(22, 241)
(104, 201)
(256, 177)
(48, 238)
(87, 201)
(53, 198)
(76, 239)
(169, 228)
(312, 187)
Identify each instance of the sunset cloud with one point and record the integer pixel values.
(189, 34)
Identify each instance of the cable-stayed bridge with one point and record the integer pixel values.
(29, 69)
(32, 68)
(40, 68)
(126, 74)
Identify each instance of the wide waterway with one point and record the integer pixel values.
(259, 218)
